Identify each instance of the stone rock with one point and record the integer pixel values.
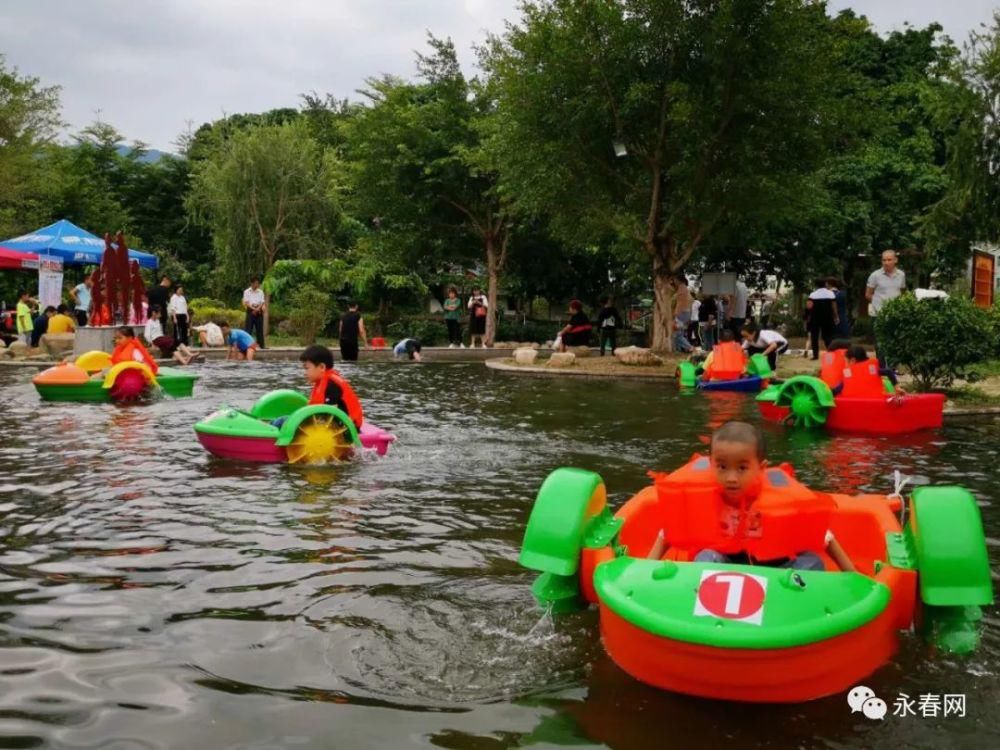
(525, 356)
(58, 345)
(3, 344)
(579, 351)
(18, 349)
(636, 355)
(561, 359)
(505, 345)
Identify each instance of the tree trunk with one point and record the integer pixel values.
(663, 303)
(492, 283)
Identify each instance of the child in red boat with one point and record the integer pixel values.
(862, 376)
(738, 460)
(328, 386)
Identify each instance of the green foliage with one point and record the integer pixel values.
(719, 107)
(310, 313)
(538, 331)
(287, 277)
(29, 120)
(207, 314)
(969, 211)
(430, 331)
(936, 340)
(267, 193)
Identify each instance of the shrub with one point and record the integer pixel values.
(538, 331)
(937, 340)
(202, 315)
(310, 313)
(199, 302)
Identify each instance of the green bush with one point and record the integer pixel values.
(202, 315)
(310, 313)
(538, 331)
(200, 302)
(937, 340)
(430, 331)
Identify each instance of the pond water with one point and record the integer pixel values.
(154, 597)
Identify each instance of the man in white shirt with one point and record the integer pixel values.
(254, 303)
(736, 310)
(884, 284)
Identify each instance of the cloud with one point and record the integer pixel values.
(151, 67)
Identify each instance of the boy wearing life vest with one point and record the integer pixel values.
(129, 349)
(862, 377)
(328, 386)
(738, 462)
(726, 361)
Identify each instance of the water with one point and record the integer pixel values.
(154, 597)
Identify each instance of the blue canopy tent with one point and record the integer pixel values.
(75, 246)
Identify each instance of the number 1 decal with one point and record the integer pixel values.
(731, 596)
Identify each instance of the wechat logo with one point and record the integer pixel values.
(863, 699)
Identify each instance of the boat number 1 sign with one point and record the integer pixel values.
(731, 595)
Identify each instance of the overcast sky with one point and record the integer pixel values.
(151, 66)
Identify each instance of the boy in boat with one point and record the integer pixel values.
(738, 460)
(865, 375)
(733, 355)
(317, 364)
(241, 344)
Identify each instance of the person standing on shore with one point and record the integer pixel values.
(178, 310)
(351, 330)
(254, 304)
(453, 318)
(80, 294)
(609, 320)
(736, 309)
(159, 298)
(478, 309)
(884, 284)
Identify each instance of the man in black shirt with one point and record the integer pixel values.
(352, 328)
(158, 297)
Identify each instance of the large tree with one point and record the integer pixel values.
(715, 108)
(970, 210)
(267, 192)
(29, 121)
(421, 177)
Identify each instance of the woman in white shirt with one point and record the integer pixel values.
(169, 347)
(178, 310)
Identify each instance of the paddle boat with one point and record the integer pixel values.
(730, 370)
(282, 427)
(866, 404)
(755, 633)
(93, 377)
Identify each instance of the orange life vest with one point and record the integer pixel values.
(347, 394)
(779, 519)
(863, 380)
(132, 350)
(728, 362)
(832, 367)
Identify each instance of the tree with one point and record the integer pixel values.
(421, 176)
(29, 121)
(716, 108)
(970, 210)
(267, 192)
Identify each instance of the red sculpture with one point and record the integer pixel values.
(118, 286)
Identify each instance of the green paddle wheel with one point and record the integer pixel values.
(808, 400)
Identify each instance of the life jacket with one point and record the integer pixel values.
(832, 366)
(728, 362)
(347, 395)
(778, 519)
(863, 380)
(132, 350)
